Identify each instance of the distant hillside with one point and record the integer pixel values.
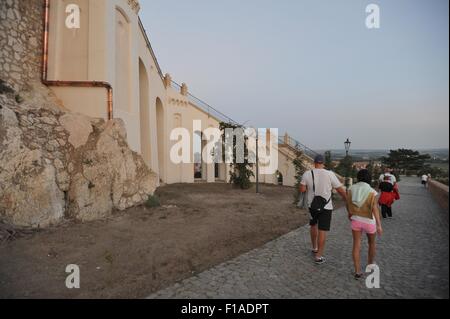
(364, 155)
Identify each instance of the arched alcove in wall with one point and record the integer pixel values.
(160, 137)
(144, 107)
(198, 160)
(280, 178)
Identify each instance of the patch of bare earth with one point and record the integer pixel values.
(135, 253)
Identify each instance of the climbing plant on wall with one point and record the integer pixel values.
(300, 169)
(240, 173)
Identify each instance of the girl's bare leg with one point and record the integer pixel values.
(356, 251)
(372, 248)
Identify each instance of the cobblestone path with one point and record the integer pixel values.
(413, 257)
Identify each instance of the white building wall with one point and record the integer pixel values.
(97, 61)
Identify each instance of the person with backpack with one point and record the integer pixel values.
(365, 218)
(388, 176)
(387, 197)
(319, 183)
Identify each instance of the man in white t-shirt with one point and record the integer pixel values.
(320, 182)
(424, 180)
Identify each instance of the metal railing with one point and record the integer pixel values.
(211, 111)
(194, 100)
(149, 46)
(174, 85)
(296, 145)
(202, 105)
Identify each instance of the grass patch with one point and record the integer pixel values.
(153, 201)
(19, 99)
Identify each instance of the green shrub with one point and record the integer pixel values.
(18, 99)
(153, 201)
(300, 169)
(240, 173)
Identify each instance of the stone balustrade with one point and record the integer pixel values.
(440, 193)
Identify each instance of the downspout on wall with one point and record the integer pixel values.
(47, 82)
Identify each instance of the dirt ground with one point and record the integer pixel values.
(135, 253)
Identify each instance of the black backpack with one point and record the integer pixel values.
(318, 204)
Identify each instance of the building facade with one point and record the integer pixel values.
(98, 61)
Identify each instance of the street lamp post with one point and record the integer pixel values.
(257, 162)
(347, 144)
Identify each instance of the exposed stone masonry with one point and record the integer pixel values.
(21, 30)
(56, 165)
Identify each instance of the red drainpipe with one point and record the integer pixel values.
(105, 85)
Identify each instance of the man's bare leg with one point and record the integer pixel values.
(314, 237)
(322, 239)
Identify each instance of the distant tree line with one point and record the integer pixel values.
(405, 161)
(402, 162)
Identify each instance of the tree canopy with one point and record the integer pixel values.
(346, 167)
(300, 169)
(329, 165)
(405, 160)
(241, 173)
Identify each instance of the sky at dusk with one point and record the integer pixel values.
(312, 68)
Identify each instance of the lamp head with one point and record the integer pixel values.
(347, 144)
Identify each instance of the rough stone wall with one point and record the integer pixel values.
(21, 33)
(57, 165)
(54, 164)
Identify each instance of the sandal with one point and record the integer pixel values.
(319, 261)
(358, 276)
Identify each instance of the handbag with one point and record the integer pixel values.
(318, 204)
(396, 192)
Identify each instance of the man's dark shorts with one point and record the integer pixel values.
(322, 219)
